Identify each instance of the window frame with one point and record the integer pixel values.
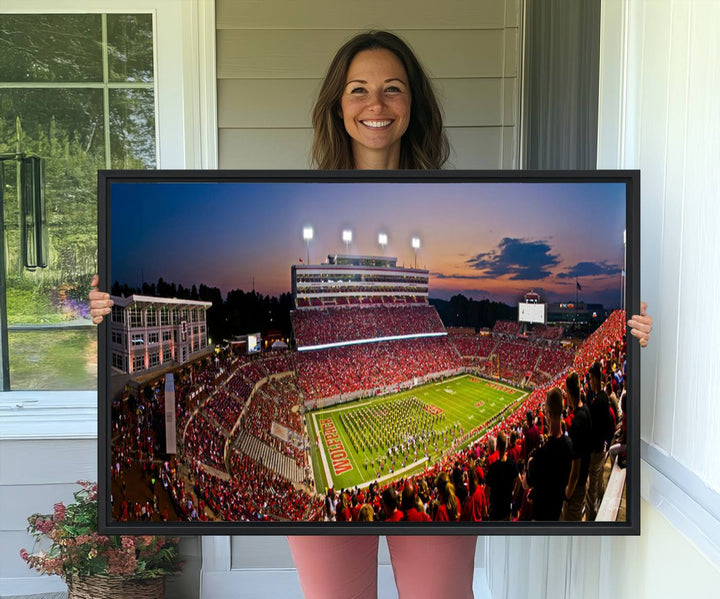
(186, 137)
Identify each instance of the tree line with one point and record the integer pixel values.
(241, 312)
(238, 313)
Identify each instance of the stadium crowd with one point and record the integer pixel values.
(274, 402)
(509, 463)
(372, 367)
(367, 300)
(212, 396)
(333, 325)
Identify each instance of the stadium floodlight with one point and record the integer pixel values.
(347, 238)
(307, 236)
(416, 247)
(382, 240)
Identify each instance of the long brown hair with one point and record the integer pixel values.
(424, 144)
(447, 495)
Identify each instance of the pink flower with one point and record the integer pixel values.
(121, 562)
(53, 565)
(25, 555)
(128, 543)
(44, 526)
(59, 509)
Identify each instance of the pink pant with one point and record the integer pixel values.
(334, 566)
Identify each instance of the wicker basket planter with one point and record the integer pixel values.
(116, 587)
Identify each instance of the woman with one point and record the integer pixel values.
(377, 110)
(449, 508)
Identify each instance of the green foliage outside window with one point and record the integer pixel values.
(76, 90)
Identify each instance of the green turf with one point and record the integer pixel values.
(456, 397)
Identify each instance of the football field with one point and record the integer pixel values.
(398, 435)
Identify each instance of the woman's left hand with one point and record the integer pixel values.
(641, 325)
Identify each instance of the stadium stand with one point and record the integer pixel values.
(334, 325)
(233, 465)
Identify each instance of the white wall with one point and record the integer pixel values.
(271, 57)
(39, 465)
(658, 111)
(46, 446)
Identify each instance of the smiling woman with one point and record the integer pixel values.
(375, 108)
(364, 104)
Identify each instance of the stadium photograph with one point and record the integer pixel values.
(367, 351)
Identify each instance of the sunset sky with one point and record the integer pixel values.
(485, 240)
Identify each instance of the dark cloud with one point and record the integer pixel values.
(590, 269)
(520, 259)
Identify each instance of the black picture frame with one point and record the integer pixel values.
(629, 178)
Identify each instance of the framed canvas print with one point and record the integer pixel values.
(369, 352)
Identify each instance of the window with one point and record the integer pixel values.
(136, 317)
(153, 338)
(138, 362)
(153, 359)
(138, 339)
(77, 90)
(167, 335)
(118, 361)
(164, 317)
(167, 354)
(117, 338)
(118, 314)
(151, 316)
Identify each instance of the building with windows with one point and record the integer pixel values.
(147, 332)
(357, 280)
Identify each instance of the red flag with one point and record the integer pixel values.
(300, 259)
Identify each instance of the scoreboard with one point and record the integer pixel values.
(532, 312)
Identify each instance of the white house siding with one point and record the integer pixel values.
(659, 85)
(271, 57)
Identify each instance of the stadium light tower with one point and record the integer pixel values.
(347, 238)
(416, 247)
(307, 236)
(382, 240)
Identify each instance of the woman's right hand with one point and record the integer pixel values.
(100, 302)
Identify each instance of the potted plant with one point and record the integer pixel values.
(67, 544)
